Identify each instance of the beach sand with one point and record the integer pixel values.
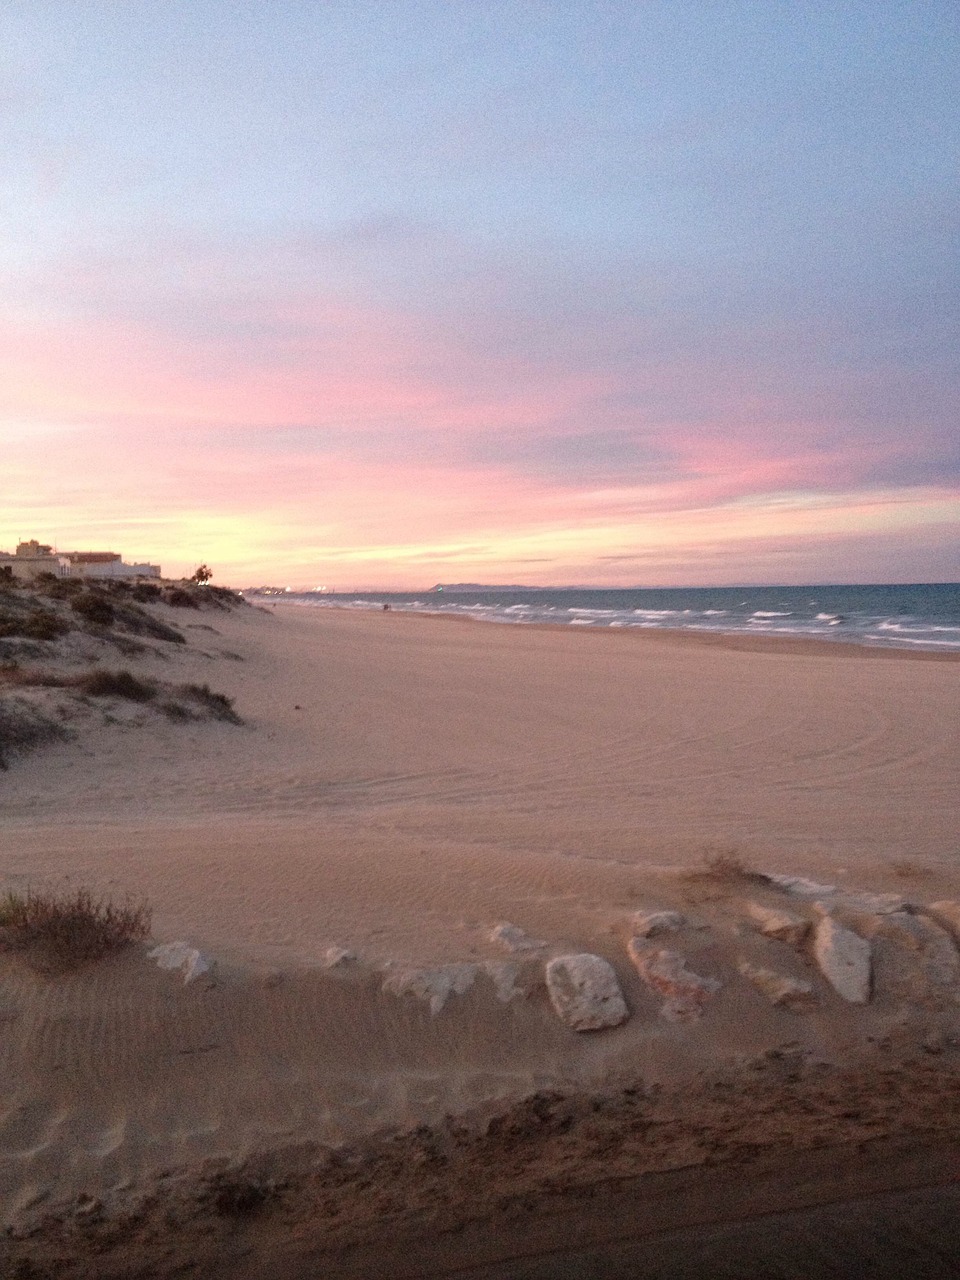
(399, 787)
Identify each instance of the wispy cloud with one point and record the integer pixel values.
(666, 317)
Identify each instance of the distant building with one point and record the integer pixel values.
(107, 564)
(33, 558)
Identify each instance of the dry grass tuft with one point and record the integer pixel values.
(217, 705)
(724, 866)
(73, 928)
(23, 727)
(910, 870)
(117, 684)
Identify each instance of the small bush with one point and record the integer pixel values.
(23, 727)
(218, 705)
(175, 711)
(73, 928)
(117, 684)
(63, 588)
(145, 592)
(179, 598)
(141, 623)
(93, 608)
(37, 624)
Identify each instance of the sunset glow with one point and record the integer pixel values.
(379, 295)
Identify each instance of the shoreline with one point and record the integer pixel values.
(735, 640)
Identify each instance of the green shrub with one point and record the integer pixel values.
(117, 684)
(72, 928)
(93, 608)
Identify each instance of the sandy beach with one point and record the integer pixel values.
(367, 1060)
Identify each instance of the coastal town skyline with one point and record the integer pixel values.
(377, 296)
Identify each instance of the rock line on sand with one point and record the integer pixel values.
(948, 913)
(649, 924)
(779, 988)
(666, 972)
(513, 938)
(844, 959)
(434, 985)
(784, 926)
(180, 955)
(585, 992)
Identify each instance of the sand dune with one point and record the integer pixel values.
(400, 786)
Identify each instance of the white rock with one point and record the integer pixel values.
(337, 957)
(877, 904)
(666, 972)
(434, 985)
(948, 913)
(180, 955)
(799, 886)
(505, 977)
(844, 960)
(585, 993)
(651, 923)
(936, 952)
(513, 938)
(780, 988)
(784, 926)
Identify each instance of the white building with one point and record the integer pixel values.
(107, 564)
(33, 558)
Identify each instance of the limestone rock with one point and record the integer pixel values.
(651, 923)
(338, 957)
(844, 959)
(585, 992)
(513, 938)
(505, 978)
(434, 985)
(780, 988)
(666, 972)
(180, 955)
(799, 886)
(782, 925)
(933, 946)
(877, 904)
(948, 913)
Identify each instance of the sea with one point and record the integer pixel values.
(911, 616)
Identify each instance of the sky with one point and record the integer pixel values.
(356, 294)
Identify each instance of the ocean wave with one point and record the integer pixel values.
(843, 616)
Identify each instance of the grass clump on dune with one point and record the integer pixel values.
(117, 684)
(73, 928)
(32, 624)
(217, 705)
(23, 727)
